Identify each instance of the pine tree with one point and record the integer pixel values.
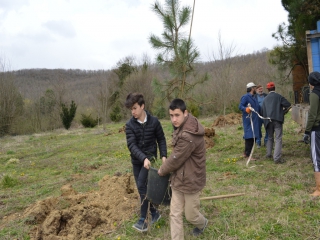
(67, 115)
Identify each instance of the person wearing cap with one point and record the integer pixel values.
(312, 132)
(260, 95)
(274, 107)
(248, 100)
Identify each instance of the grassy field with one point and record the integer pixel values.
(276, 204)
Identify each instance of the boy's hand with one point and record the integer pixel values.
(146, 163)
(163, 159)
(159, 172)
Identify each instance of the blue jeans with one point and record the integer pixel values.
(141, 177)
(258, 141)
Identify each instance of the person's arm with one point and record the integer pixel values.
(181, 152)
(161, 140)
(285, 104)
(313, 111)
(132, 145)
(243, 106)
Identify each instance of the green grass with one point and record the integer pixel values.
(276, 204)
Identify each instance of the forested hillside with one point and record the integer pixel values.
(101, 93)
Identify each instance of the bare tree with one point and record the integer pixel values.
(223, 76)
(108, 84)
(11, 102)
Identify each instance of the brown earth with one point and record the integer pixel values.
(84, 215)
(229, 119)
(208, 137)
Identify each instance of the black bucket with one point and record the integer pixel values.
(158, 190)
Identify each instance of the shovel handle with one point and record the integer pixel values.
(222, 196)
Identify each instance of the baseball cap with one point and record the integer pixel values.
(270, 85)
(251, 84)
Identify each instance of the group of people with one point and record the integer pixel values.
(272, 107)
(269, 110)
(186, 164)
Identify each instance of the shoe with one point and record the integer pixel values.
(141, 225)
(268, 156)
(279, 161)
(196, 231)
(155, 218)
(258, 146)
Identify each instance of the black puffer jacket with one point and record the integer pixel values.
(142, 139)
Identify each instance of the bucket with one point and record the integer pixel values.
(158, 189)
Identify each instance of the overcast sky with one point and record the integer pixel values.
(96, 34)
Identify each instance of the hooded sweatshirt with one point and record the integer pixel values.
(187, 163)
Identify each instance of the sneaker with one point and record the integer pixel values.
(155, 218)
(141, 225)
(258, 146)
(268, 156)
(196, 231)
(280, 161)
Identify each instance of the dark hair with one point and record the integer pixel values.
(178, 104)
(134, 98)
(271, 89)
(249, 89)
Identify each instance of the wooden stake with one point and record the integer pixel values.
(222, 196)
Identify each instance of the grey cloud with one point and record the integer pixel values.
(62, 28)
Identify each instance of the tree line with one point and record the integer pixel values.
(31, 100)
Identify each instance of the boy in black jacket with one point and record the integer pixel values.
(144, 135)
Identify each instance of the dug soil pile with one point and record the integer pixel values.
(229, 119)
(84, 215)
(208, 137)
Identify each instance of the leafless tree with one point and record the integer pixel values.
(223, 74)
(108, 84)
(11, 102)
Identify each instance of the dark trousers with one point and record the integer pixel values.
(248, 146)
(141, 177)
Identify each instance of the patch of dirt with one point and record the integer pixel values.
(229, 119)
(84, 215)
(208, 137)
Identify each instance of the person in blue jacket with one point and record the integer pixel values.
(260, 96)
(248, 100)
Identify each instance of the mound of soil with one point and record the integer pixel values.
(208, 137)
(84, 215)
(229, 119)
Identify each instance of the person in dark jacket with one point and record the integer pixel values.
(187, 165)
(144, 135)
(260, 95)
(312, 131)
(248, 100)
(274, 107)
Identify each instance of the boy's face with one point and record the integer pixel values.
(177, 117)
(137, 110)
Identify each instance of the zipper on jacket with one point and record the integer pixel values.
(143, 124)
